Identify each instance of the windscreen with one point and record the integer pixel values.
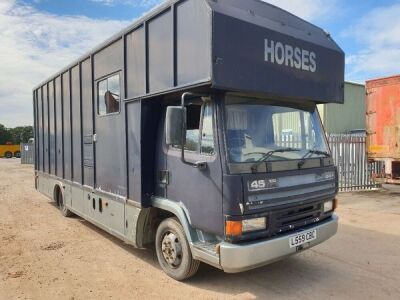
(261, 130)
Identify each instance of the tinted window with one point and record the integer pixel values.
(108, 91)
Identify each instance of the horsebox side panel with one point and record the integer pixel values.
(136, 63)
(383, 118)
(67, 149)
(160, 52)
(87, 123)
(252, 56)
(45, 129)
(76, 125)
(59, 128)
(52, 128)
(35, 128)
(133, 119)
(39, 138)
(193, 42)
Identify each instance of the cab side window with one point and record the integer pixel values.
(207, 133)
(193, 113)
(199, 134)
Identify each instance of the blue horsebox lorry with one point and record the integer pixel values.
(196, 129)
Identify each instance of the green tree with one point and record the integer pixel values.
(21, 134)
(5, 135)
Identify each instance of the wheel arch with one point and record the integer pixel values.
(175, 209)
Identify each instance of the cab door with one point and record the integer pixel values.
(199, 190)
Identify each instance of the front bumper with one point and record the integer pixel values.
(236, 258)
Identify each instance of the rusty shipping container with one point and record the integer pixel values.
(383, 124)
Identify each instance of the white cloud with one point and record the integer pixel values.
(33, 46)
(310, 10)
(378, 33)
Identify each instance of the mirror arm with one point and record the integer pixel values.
(198, 165)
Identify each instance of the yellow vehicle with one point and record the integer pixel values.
(8, 151)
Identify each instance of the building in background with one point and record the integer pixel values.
(348, 117)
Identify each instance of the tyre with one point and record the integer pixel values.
(173, 251)
(8, 154)
(17, 154)
(61, 205)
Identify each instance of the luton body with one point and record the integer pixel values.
(196, 129)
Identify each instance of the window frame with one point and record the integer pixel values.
(201, 122)
(101, 79)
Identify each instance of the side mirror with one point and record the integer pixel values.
(174, 124)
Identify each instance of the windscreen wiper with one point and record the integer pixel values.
(267, 155)
(309, 154)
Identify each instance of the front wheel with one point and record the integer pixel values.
(173, 251)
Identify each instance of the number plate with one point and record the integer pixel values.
(302, 238)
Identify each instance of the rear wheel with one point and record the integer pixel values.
(17, 154)
(8, 154)
(61, 205)
(173, 251)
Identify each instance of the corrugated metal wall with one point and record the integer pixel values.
(354, 170)
(343, 118)
(27, 154)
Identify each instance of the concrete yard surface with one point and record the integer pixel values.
(46, 256)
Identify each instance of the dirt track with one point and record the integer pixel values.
(46, 256)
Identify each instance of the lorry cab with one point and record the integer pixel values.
(253, 172)
(196, 129)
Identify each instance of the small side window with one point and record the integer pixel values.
(193, 128)
(207, 133)
(199, 134)
(108, 95)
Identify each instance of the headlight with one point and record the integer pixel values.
(237, 228)
(254, 224)
(328, 206)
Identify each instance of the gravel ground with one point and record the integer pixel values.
(46, 256)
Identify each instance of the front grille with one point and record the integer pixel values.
(292, 218)
(286, 219)
(262, 201)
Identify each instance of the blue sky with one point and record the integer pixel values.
(41, 36)
(101, 9)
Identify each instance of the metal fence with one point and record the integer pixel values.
(349, 155)
(27, 153)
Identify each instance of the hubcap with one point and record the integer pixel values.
(172, 249)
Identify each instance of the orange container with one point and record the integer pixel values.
(383, 123)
